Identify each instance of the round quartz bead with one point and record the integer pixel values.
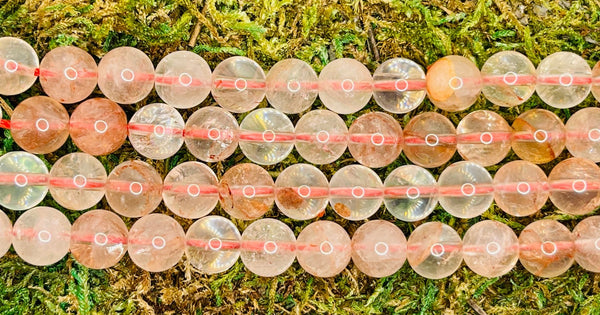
(466, 189)
(268, 247)
(490, 248)
(18, 62)
(355, 192)
(190, 190)
(539, 136)
(23, 180)
(323, 249)
(125, 75)
(508, 78)
(246, 191)
(156, 131)
(6, 234)
(238, 84)
(429, 140)
(98, 126)
(183, 79)
(587, 244)
(133, 189)
(483, 137)
(156, 242)
(40, 125)
(345, 86)
(520, 188)
(211, 134)
(267, 136)
(434, 250)
(399, 85)
(292, 86)
(410, 193)
(321, 136)
(77, 181)
(302, 192)
(68, 74)
(574, 186)
(212, 244)
(98, 239)
(41, 236)
(378, 248)
(583, 134)
(375, 139)
(595, 81)
(564, 80)
(453, 83)
(546, 248)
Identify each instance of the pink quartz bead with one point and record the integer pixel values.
(77, 181)
(23, 180)
(40, 125)
(211, 134)
(125, 75)
(375, 139)
(520, 188)
(466, 189)
(292, 86)
(6, 234)
(321, 136)
(583, 134)
(68, 74)
(246, 191)
(190, 190)
(539, 136)
(378, 248)
(355, 192)
(490, 248)
(41, 236)
(18, 63)
(238, 84)
(156, 242)
(564, 79)
(587, 243)
(429, 140)
(345, 86)
(483, 137)
(546, 248)
(453, 83)
(133, 189)
(323, 249)
(183, 79)
(596, 81)
(575, 186)
(399, 85)
(266, 136)
(156, 131)
(508, 78)
(410, 193)
(98, 239)
(302, 192)
(268, 247)
(434, 250)
(212, 244)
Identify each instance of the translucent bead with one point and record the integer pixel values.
(268, 247)
(546, 248)
(24, 180)
(483, 137)
(238, 84)
(41, 236)
(98, 126)
(156, 242)
(378, 248)
(211, 134)
(133, 189)
(587, 243)
(40, 125)
(410, 193)
(292, 86)
(345, 86)
(355, 192)
(77, 181)
(434, 250)
(574, 186)
(190, 190)
(539, 136)
(466, 189)
(246, 191)
(6, 234)
(564, 80)
(508, 78)
(583, 134)
(125, 75)
(212, 244)
(267, 136)
(596, 81)
(520, 188)
(98, 239)
(321, 136)
(490, 248)
(302, 192)
(183, 79)
(18, 62)
(399, 85)
(375, 139)
(68, 74)
(429, 140)
(156, 131)
(453, 83)
(323, 249)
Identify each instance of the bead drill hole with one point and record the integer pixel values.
(510, 78)
(540, 136)
(127, 75)
(304, 191)
(11, 65)
(326, 248)
(70, 73)
(100, 126)
(377, 139)
(401, 85)
(467, 189)
(185, 79)
(430, 142)
(293, 86)
(270, 247)
(79, 181)
(546, 251)
(249, 191)
(213, 246)
(159, 242)
(492, 248)
(100, 239)
(42, 125)
(413, 193)
(136, 188)
(358, 192)
(486, 138)
(437, 250)
(21, 180)
(323, 136)
(193, 190)
(523, 188)
(240, 84)
(44, 236)
(455, 83)
(381, 248)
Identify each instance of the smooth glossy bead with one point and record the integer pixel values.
(564, 80)
(539, 136)
(211, 134)
(429, 140)
(466, 189)
(509, 78)
(490, 248)
(156, 131)
(345, 86)
(18, 62)
(190, 190)
(483, 137)
(302, 192)
(238, 84)
(583, 134)
(410, 193)
(587, 243)
(156, 242)
(268, 247)
(246, 191)
(267, 136)
(375, 139)
(77, 181)
(321, 136)
(125, 75)
(68, 74)
(24, 180)
(378, 248)
(292, 86)
(453, 83)
(212, 244)
(434, 250)
(546, 248)
(323, 249)
(6, 233)
(399, 85)
(596, 81)
(133, 189)
(520, 188)
(183, 79)
(574, 187)
(355, 192)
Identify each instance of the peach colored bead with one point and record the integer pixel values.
(323, 249)
(490, 248)
(156, 242)
(378, 248)
(292, 86)
(238, 84)
(133, 189)
(596, 81)
(470, 189)
(587, 243)
(24, 180)
(483, 137)
(562, 79)
(345, 86)
(211, 134)
(453, 83)
(183, 79)
(212, 244)
(246, 191)
(575, 186)
(546, 248)
(508, 78)
(302, 192)
(125, 75)
(434, 250)
(411, 193)
(520, 188)
(268, 247)
(429, 140)
(156, 131)
(18, 62)
(321, 136)
(68, 74)
(355, 192)
(190, 190)
(399, 85)
(267, 124)
(583, 134)
(539, 136)
(6, 234)
(375, 139)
